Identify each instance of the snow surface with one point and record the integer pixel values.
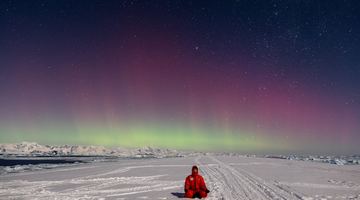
(227, 177)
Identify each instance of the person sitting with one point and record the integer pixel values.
(195, 185)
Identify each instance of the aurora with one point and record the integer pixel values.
(181, 74)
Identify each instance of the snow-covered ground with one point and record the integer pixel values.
(227, 177)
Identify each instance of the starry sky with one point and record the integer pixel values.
(249, 76)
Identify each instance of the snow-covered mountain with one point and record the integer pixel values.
(35, 149)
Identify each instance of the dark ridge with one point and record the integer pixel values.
(12, 162)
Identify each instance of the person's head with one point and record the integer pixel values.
(194, 170)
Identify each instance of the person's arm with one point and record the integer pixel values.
(187, 184)
(203, 185)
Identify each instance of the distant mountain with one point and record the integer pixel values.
(34, 149)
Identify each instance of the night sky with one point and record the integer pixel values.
(248, 76)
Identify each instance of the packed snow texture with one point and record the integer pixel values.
(227, 177)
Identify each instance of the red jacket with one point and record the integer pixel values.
(195, 183)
